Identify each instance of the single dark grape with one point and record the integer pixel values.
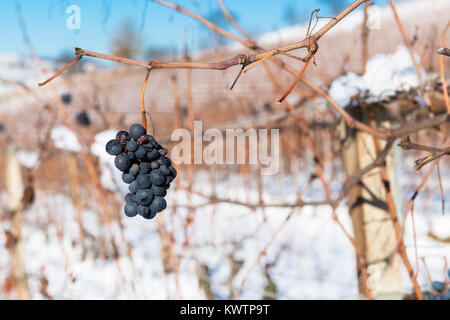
(164, 170)
(128, 178)
(152, 155)
(113, 147)
(129, 197)
(165, 161)
(144, 196)
(124, 133)
(158, 204)
(132, 145)
(122, 162)
(143, 210)
(141, 153)
(66, 98)
(136, 130)
(150, 216)
(134, 169)
(143, 181)
(123, 137)
(173, 172)
(154, 164)
(159, 191)
(131, 209)
(83, 119)
(157, 177)
(133, 187)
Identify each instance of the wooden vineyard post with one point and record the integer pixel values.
(14, 185)
(372, 224)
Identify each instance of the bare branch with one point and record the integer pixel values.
(420, 163)
(407, 144)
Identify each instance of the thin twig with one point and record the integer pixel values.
(442, 69)
(407, 144)
(71, 63)
(406, 41)
(233, 22)
(420, 163)
(299, 76)
(441, 188)
(364, 37)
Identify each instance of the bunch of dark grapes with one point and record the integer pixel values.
(145, 168)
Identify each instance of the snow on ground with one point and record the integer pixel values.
(28, 159)
(65, 139)
(15, 67)
(311, 257)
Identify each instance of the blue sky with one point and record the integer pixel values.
(158, 26)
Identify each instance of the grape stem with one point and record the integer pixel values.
(144, 85)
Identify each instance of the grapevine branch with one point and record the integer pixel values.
(436, 153)
(420, 163)
(407, 144)
(308, 42)
(352, 122)
(246, 59)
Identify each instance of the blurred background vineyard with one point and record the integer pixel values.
(227, 229)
